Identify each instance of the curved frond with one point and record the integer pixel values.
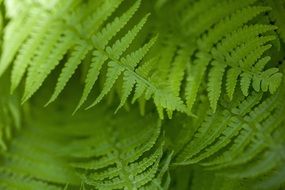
(109, 154)
(67, 33)
(246, 129)
(215, 68)
(215, 36)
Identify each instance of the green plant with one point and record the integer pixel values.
(185, 94)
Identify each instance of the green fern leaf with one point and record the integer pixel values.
(123, 161)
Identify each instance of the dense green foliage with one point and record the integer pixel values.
(184, 94)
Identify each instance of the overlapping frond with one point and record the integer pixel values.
(30, 158)
(124, 156)
(105, 153)
(244, 128)
(249, 67)
(67, 34)
(33, 161)
(240, 55)
(220, 62)
(222, 40)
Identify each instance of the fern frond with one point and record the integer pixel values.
(231, 58)
(229, 24)
(41, 25)
(245, 69)
(13, 40)
(246, 129)
(215, 68)
(101, 40)
(31, 147)
(121, 160)
(224, 22)
(214, 15)
(115, 53)
(48, 43)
